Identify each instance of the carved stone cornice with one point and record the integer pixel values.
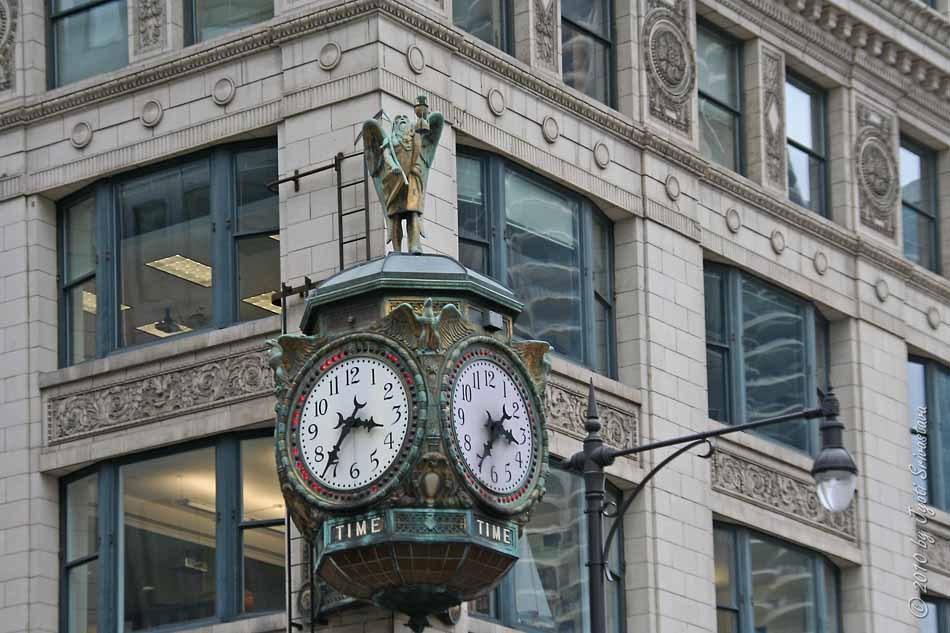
(160, 395)
(779, 492)
(566, 407)
(937, 553)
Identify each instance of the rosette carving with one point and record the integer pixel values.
(670, 63)
(876, 167)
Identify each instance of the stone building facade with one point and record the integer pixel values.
(711, 208)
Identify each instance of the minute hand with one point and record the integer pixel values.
(346, 425)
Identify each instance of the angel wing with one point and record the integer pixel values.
(374, 154)
(403, 324)
(430, 141)
(452, 326)
(288, 353)
(534, 354)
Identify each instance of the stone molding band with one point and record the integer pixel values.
(161, 395)
(779, 492)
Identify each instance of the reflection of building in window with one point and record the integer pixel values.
(485, 19)
(586, 47)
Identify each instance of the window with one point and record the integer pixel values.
(805, 123)
(145, 547)
(766, 354)
(205, 19)
(488, 20)
(89, 37)
(763, 584)
(547, 589)
(720, 101)
(194, 242)
(937, 617)
(550, 246)
(586, 47)
(919, 204)
(928, 399)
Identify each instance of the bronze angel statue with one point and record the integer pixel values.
(399, 164)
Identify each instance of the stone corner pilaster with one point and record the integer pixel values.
(764, 123)
(537, 34)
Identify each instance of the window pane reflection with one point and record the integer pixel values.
(589, 14)
(773, 338)
(481, 18)
(83, 598)
(716, 59)
(260, 492)
(919, 242)
(263, 568)
(717, 128)
(82, 517)
(916, 183)
(81, 239)
(549, 575)
(83, 304)
(169, 521)
(782, 588)
(217, 17)
(258, 276)
(800, 117)
(805, 179)
(543, 264)
(90, 42)
(584, 62)
(165, 253)
(256, 204)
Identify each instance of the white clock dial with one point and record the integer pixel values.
(353, 423)
(492, 426)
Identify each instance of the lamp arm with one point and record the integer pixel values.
(616, 516)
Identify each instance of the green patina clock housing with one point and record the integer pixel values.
(425, 533)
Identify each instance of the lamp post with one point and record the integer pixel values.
(834, 471)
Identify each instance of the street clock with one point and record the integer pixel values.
(410, 436)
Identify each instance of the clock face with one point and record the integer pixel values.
(492, 424)
(353, 422)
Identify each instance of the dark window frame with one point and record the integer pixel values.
(493, 171)
(732, 346)
(940, 607)
(228, 532)
(928, 159)
(223, 214)
(820, 97)
(609, 41)
(190, 24)
(741, 566)
(738, 47)
(938, 486)
(507, 28)
(52, 76)
(502, 605)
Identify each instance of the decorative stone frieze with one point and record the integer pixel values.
(149, 25)
(158, 396)
(773, 118)
(9, 13)
(545, 34)
(669, 62)
(771, 489)
(566, 410)
(876, 169)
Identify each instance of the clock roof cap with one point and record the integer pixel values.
(408, 273)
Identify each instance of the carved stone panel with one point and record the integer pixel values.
(9, 12)
(180, 391)
(149, 25)
(545, 34)
(669, 62)
(876, 170)
(773, 118)
(777, 491)
(567, 409)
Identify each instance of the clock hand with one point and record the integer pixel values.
(348, 424)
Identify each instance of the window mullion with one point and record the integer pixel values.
(109, 528)
(223, 247)
(820, 597)
(935, 475)
(737, 352)
(227, 547)
(106, 257)
(587, 285)
(496, 180)
(811, 384)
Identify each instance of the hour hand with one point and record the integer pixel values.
(369, 424)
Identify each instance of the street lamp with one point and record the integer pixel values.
(834, 471)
